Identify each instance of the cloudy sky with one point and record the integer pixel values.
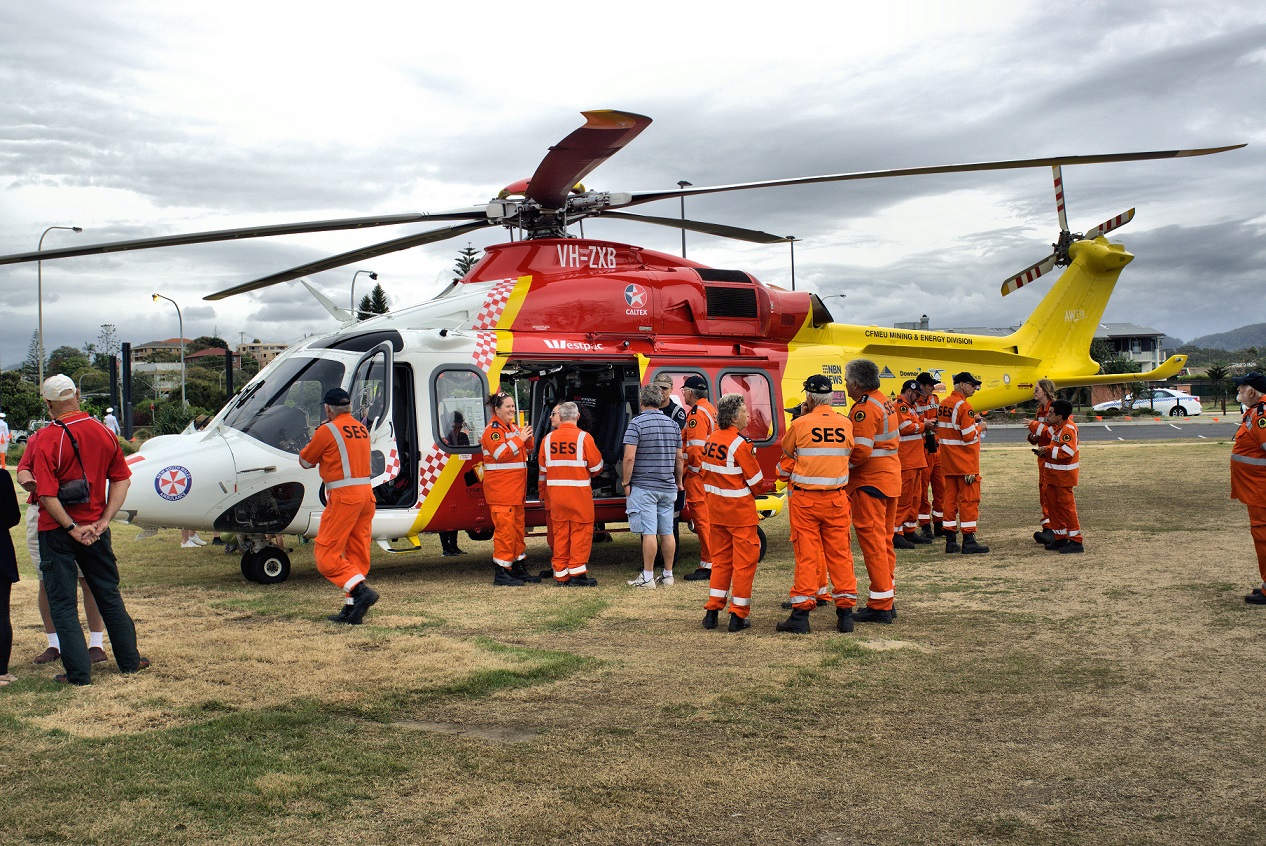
(133, 119)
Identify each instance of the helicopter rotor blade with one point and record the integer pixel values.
(362, 254)
(1059, 198)
(737, 233)
(479, 213)
(640, 197)
(605, 132)
(1108, 225)
(1027, 275)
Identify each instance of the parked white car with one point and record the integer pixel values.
(1163, 400)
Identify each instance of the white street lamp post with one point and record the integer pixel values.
(372, 275)
(181, 320)
(39, 296)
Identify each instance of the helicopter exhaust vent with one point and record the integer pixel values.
(731, 302)
(711, 274)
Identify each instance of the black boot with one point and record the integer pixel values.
(448, 541)
(501, 577)
(702, 574)
(899, 541)
(872, 615)
(970, 547)
(737, 623)
(343, 615)
(951, 542)
(797, 623)
(1072, 547)
(918, 539)
(939, 531)
(1057, 545)
(1044, 537)
(519, 571)
(710, 619)
(844, 620)
(363, 598)
(926, 532)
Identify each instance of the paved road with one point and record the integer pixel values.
(1224, 430)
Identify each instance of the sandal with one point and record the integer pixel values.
(7, 679)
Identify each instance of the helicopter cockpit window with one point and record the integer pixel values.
(758, 396)
(282, 410)
(459, 409)
(369, 391)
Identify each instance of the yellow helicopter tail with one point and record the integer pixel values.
(1058, 333)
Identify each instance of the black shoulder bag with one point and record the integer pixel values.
(74, 492)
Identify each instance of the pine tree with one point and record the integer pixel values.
(467, 258)
(375, 302)
(31, 365)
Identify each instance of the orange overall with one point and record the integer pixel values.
(505, 453)
(1059, 477)
(1248, 476)
(959, 440)
(1040, 436)
(700, 423)
(340, 449)
(815, 451)
(730, 476)
(568, 459)
(931, 510)
(914, 461)
(874, 485)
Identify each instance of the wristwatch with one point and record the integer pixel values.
(73, 525)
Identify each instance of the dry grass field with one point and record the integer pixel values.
(1022, 697)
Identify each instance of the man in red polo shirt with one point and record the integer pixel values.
(74, 527)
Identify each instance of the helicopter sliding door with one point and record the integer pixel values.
(372, 390)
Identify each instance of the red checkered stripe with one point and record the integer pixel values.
(393, 462)
(429, 471)
(485, 350)
(494, 304)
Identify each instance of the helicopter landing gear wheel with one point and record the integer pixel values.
(760, 533)
(269, 566)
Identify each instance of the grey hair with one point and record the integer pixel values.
(863, 373)
(727, 409)
(336, 410)
(818, 399)
(651, 396)
(568, 411)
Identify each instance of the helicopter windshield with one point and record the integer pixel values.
(283, 411)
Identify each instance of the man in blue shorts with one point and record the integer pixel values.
(651, 473)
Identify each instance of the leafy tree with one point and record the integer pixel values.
(206, 342)
(1218, 376)
(467, 257)
(375, 302)
(66, 360)
(1111, 361)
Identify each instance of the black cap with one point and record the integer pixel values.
(336, 397)
(817, 384)
(968, 378)
(910, 385)
(1254, 380)
(925, 378)
(695, 383)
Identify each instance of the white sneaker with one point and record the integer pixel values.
(642, 582)
(189, 544)
(147, 533)
(197, 540)
(665, 579)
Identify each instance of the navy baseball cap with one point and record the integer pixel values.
(1254, 380)
(817, 384)
(910, 385)
(968, 378)
(337, 396)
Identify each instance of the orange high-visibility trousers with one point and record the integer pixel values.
(1043, 494)
(735, 551)
(932, 510)
(573, 540)
(1257, 523)
(962, 504)
(908, 510)
(819, 538)
(342, 543)
(699, 516)
(1063, 513)
(507, 534)
(872, 521)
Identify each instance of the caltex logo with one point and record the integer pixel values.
(172, 483)
(635, 296)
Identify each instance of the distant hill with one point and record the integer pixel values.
(1253, 335)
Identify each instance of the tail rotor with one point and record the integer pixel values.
(1059, 250)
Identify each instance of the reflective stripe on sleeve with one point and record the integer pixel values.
(1248, 459)
(726, 492)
